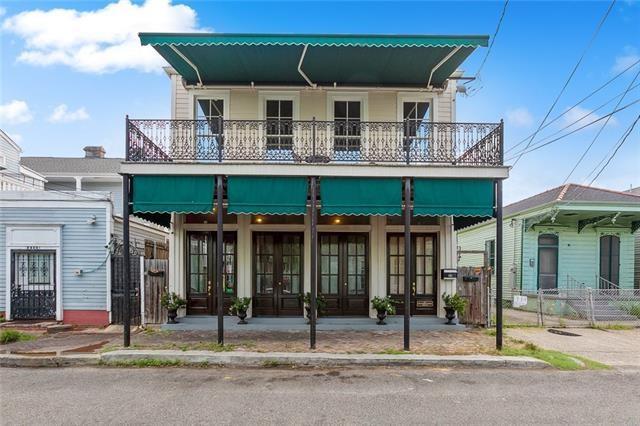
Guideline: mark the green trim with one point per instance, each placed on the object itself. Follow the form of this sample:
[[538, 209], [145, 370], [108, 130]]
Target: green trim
[[267, 195], [314, 40], [361, 196], [456, 197], [173, 194]]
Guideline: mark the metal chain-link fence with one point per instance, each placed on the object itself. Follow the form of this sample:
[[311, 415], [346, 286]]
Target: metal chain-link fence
[[572, 307]]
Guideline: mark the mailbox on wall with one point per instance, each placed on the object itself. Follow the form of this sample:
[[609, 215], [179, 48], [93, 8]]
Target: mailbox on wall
[[448, 274]]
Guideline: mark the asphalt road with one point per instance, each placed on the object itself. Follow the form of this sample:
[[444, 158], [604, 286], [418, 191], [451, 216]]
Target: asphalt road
[[339, 396]]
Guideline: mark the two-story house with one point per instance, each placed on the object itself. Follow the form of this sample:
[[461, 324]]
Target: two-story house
[[300, 162]]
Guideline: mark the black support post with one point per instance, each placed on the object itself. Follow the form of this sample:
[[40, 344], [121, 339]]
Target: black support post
[[407, 263], [219, 251], [314, 264], [126, 269], [498, 262]]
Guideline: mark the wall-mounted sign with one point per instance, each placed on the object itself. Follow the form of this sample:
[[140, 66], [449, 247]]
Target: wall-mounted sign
[[448, 274], [424, 304]]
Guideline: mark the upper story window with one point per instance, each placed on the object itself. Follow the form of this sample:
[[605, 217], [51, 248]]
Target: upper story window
[[209, 113], [347, 117], [279, 125], [416, 113]]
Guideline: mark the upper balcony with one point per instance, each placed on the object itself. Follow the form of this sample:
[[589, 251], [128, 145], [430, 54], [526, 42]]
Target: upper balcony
[[314, 142]]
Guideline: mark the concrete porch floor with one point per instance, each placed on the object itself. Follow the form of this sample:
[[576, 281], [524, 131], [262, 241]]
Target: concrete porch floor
[[394, 323]]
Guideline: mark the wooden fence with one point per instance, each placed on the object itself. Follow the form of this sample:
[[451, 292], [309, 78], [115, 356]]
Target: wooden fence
[[117, 289], [474, 284], [156, 281]]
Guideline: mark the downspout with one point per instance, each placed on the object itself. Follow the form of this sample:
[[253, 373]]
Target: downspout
[[441, 63], [307, 79], [184, 58], [521, 252]]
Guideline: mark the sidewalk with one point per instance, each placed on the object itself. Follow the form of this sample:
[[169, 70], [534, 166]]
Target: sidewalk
[[160, 358], [617, 348]]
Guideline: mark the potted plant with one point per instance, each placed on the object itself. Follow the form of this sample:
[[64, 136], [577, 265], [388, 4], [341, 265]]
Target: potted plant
[[453, 304], [239, 306], [383, 306], [321, 304], [172, 302]]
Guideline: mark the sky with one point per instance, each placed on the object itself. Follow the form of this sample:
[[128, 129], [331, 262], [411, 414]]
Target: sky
[[71, 70]]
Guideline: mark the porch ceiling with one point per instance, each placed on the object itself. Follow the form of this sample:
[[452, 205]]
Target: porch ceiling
[[580, 219], [351, 60]]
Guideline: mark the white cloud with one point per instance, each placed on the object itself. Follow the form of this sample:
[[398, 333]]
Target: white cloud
[[579, 116], [61, 114], [15, 112], [624, 61], [3, 11], [519, 117], [98, 41]]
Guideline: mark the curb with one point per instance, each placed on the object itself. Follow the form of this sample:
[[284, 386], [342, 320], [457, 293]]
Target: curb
[[272, 359]]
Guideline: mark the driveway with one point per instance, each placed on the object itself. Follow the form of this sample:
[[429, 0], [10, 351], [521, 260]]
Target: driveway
[[617, 348]]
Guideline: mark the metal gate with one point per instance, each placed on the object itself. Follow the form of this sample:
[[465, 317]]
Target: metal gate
[[33, 285], [117, 289]]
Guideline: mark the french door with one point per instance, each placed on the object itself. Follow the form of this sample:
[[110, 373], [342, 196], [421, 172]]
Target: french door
[[609, 261], [547, 261], [277, 273], [343, 273], [201, 272], [423, 273]]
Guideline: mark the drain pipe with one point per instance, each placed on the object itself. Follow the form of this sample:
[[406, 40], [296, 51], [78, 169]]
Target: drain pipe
[[184, 58], [441, 63], [307, 79]]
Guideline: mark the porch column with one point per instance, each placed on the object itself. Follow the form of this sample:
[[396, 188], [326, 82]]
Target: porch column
[[498, 262], [219, 250], [126, 270], [407, 262], [314, 263]]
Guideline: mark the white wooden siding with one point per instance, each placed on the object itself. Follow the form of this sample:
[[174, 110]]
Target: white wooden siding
[[82, 247]]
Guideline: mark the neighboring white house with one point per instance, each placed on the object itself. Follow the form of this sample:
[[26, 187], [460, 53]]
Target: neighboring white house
[[56, 242], [13, 175]]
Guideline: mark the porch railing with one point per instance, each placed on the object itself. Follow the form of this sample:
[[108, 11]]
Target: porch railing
[[292, 141]]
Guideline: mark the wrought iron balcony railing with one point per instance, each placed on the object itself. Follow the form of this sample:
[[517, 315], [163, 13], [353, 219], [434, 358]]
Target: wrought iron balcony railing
[[305, 142]]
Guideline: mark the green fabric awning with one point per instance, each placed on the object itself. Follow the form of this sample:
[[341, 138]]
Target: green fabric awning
[[361, 196], [267, 195], [344, 59], [173, 194], [453, 197]]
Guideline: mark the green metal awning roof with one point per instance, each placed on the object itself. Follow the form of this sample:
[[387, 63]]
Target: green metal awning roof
[[267, 195], [380, 60], [361, 196], [173, 194], [453, 197]]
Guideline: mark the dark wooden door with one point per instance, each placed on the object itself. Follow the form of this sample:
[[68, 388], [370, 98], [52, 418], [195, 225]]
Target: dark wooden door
[[201, 272], [343, 272], [277, 273], [423, 274], [609, 261]]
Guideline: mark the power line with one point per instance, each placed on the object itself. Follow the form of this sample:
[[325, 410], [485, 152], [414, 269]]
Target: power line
[[600, 130], [579, 102], [623, 139], [493, 40], [540, 145], [575, 68]]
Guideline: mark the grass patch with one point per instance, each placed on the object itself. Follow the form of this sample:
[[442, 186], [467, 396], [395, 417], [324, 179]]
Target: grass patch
[[392, 351], [632, 308], [271, 363], [557, 359], [11, 336], [144, 363], [612, 327], [490, 331]]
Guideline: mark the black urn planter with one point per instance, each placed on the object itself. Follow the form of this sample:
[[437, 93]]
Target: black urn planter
[[241, 316], [172, 314], [382, 315], [450, 315]]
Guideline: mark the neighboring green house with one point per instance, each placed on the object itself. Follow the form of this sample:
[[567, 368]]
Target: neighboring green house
[[568, 236]]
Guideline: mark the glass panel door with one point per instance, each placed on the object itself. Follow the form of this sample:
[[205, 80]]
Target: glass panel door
[[279, 129], [346, 115], [329, 263], [209, 115], [547, 261], [609, 261], [199, 289]]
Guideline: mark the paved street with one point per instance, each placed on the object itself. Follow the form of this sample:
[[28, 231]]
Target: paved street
[[337, 396]]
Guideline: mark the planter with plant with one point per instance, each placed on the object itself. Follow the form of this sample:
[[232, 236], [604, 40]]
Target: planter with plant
[[321, 304], [453, 304], [172, 302], [239, 307], [383, 306]]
